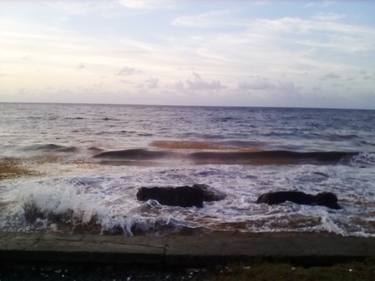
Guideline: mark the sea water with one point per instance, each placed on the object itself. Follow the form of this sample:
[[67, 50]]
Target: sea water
[[241, 152]]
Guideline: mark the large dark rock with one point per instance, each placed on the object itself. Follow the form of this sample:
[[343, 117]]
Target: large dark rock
[[183, 196], [327, 199]]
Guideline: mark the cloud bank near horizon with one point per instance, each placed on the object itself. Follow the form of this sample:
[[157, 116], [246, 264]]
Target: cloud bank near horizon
[[259, 53]]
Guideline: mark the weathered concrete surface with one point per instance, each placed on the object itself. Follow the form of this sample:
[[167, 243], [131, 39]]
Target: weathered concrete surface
[[179, 248], [81, 243]]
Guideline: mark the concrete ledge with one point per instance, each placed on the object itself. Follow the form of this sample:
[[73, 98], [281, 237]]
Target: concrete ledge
[[179, 249]]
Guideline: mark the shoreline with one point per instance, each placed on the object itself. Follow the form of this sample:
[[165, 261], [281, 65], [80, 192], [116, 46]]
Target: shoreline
[[180, 249]]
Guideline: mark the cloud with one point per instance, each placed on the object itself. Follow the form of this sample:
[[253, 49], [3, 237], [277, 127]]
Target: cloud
[[106, 8], [81, 66], [323, 31], [261, 2], [257, 84], [268, 86], [329, 16], [320, 3], [211, 19], [151, 83], [196, 83], [83, 7], [258, 61], [333, 34], [365, 75], [126, 70], [331, 76], [147, 4]]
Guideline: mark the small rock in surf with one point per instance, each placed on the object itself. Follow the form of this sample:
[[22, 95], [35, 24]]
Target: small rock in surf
[[327, 199], [183, 196]]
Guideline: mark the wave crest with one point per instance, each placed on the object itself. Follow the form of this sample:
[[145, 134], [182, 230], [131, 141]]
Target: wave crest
[[206, 145], [51, 147], [275, 157], [363, 159]]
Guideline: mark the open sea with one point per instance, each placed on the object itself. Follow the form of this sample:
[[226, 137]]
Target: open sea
[[88, 161]]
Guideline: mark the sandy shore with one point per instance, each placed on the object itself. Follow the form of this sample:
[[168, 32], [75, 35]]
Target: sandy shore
[[178, 248]]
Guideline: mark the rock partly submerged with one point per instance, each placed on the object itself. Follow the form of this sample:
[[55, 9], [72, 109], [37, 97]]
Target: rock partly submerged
[[326, 199], [183, 196]]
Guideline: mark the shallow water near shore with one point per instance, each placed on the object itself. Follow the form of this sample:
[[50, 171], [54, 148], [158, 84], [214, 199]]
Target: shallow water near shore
[[89, 160]]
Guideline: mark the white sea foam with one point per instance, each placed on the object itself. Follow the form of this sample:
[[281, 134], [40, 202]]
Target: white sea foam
[[107, 194], [60, 199], [363, 159], [74, 182]]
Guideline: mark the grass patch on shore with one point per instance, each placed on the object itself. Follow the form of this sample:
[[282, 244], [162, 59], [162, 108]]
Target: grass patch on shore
[[267, 271], [12, 169]]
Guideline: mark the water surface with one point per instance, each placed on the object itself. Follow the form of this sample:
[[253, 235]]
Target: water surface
[[91, 159]]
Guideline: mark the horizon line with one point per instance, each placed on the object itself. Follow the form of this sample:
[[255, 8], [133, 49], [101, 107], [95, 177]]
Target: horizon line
[[181, 105]]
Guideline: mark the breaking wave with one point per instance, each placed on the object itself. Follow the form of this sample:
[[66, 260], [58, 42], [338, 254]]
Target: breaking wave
[[207, 145], [271, 157], [134, 154], [363, 159], [278, 157], [51, 148], [64, 209]]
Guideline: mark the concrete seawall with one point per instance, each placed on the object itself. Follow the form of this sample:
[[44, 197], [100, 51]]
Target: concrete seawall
[[178, 248]]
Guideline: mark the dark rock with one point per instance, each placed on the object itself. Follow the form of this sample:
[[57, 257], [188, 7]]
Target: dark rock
[[183, 196], [327, 199]]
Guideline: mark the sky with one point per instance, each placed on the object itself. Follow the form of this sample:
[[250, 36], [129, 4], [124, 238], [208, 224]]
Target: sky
[[189, 52]]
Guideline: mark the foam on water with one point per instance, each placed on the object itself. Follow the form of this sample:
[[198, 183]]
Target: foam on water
[[363, 159], [108, 196], [58, 142]]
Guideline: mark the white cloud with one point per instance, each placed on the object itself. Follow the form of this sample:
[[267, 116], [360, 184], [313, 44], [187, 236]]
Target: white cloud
[[126, 70], [84, 7], [151, 83], [330, 16], [81, 66], [258, 61], [331, 76], [196, 83], [268, 87], [320, 3], [212, 19], [261, 2], [147, 4], [257, 84]]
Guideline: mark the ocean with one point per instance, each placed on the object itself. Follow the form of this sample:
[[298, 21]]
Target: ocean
[[87, 163]]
